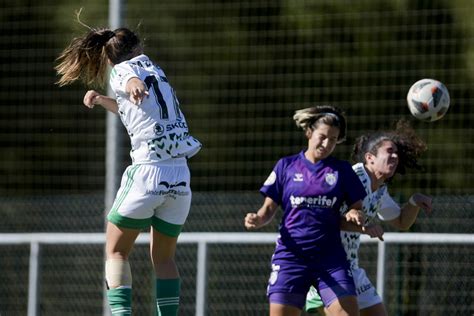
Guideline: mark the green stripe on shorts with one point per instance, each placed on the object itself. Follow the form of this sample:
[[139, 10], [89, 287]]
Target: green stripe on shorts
[[126, 189], [166, 228]]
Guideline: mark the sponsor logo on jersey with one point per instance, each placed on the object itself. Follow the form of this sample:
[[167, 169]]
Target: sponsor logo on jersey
[[271, 179], [159, 129], [298, 177], [178, 124], [313, 201]]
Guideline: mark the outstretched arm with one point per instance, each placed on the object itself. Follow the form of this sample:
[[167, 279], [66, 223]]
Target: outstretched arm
[[263, 216], [409, 211], [93, 98], [353, 221]]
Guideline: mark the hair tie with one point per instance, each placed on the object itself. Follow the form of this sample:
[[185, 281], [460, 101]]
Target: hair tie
[[330, 114]]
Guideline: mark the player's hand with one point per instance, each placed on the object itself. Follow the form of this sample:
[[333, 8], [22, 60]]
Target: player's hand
[[423, 201], [137, 90], [253, 221], [374, 231], [355, 216], [91, 98]]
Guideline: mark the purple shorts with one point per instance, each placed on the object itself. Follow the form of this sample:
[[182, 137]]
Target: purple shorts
[[290, 281]]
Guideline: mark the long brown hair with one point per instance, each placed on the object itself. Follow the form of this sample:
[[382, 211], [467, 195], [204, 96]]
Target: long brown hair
[[86, 57], [410, 146]]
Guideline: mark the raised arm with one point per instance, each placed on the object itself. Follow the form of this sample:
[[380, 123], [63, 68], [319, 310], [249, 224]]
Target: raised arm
[[409, 211], [93, 98], [263, 216]]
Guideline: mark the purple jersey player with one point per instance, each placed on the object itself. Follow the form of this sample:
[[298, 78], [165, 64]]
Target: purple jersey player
[[310, 187]]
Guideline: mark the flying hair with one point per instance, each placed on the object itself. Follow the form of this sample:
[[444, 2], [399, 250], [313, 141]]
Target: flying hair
[[310, 118], [410, 146], [86, 58]]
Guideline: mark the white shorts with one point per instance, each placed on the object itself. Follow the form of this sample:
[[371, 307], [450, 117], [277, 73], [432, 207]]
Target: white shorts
[[153, 194], [366, 293]]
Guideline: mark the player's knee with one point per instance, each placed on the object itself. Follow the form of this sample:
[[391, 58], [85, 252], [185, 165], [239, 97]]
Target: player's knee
[[118, 273]]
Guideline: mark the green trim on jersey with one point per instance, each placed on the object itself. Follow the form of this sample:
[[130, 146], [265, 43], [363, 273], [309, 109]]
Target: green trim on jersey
[[166, 228], [127, 222]]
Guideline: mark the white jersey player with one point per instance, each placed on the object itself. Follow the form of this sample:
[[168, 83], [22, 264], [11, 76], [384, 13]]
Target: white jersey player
[[380, 156], [155, 190], [157, 127]]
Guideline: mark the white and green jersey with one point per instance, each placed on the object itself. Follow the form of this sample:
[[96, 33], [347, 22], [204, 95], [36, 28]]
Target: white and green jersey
[[378, 203], [157, 127]]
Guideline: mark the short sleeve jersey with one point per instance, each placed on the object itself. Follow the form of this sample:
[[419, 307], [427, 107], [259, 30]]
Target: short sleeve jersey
[[310, 196], [157, 127], [378, 203]]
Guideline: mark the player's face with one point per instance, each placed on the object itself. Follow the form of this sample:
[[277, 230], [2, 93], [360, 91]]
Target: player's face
[[385, 163], [321, 142]]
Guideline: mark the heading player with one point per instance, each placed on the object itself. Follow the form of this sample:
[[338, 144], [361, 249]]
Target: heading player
[[311, 186], [379, 156], [155, 190]]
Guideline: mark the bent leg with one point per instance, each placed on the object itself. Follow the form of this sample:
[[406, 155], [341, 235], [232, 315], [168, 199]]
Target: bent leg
[[375, 310], [343, 306], [119, 242], [284, 310]]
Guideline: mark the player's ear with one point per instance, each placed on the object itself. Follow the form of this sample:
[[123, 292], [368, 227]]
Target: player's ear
[[369, 158], [309, 132]]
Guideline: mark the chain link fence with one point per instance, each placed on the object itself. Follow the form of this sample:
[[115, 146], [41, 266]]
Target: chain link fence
[[240, 69]]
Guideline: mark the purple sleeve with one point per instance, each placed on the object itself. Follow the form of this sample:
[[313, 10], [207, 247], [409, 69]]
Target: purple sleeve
[[272, 187], [353, 187]]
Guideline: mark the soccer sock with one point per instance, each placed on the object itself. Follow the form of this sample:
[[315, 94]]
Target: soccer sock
[[167, 297], [120, 301]]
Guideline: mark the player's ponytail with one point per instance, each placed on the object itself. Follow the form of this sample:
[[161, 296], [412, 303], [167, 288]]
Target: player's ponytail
[[84, 59]]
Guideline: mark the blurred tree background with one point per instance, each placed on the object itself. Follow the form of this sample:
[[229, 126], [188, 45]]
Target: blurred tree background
[[240, 69]]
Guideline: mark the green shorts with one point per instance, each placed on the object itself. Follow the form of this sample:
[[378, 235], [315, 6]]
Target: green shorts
[[313, 301]]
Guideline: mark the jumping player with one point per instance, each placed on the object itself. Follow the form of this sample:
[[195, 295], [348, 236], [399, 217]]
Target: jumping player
[[311, 186], [379, 157], [155, 190]]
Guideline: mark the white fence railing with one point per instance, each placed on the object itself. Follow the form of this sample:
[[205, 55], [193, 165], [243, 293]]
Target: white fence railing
[[35, 240]]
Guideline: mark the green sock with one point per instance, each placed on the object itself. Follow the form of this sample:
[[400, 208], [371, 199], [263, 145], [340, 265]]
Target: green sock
[[120, 301], [167, 297]]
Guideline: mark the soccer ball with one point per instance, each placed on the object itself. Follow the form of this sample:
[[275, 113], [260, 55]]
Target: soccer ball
[[428, 100]]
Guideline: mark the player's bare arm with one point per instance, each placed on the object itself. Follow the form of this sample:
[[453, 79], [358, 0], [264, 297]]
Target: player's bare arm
[[137, 90], [410, 210], [92, 98], [263, 216], [355, 214]]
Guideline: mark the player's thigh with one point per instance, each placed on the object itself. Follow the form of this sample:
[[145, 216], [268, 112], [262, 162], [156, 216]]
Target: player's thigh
[[119, 241], [334, 282], [283, 310], [343, 306], [375, 310], [162, 247]]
